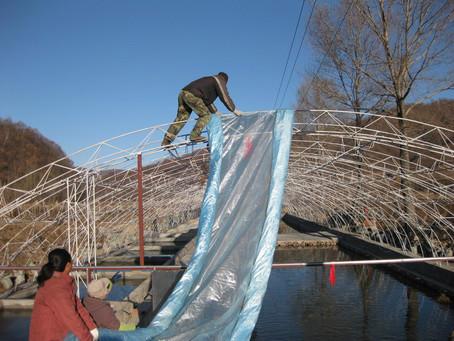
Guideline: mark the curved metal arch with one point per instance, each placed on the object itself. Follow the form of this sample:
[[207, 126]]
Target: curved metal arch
[[329, 155], [335, 171]]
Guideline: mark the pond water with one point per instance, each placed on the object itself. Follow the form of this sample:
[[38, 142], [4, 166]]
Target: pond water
[[365, 303]]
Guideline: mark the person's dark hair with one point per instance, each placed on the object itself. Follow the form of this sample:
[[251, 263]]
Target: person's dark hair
[[224, 75], [57, 260]]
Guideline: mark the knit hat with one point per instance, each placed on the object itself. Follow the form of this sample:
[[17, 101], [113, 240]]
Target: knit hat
[[224, 75], [99, 288]]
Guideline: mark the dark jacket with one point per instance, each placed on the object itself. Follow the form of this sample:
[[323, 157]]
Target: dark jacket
[[57, 311], [210, 88], [101, 312]]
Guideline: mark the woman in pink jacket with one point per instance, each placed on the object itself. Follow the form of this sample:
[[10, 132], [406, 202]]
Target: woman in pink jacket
[[57, 310]]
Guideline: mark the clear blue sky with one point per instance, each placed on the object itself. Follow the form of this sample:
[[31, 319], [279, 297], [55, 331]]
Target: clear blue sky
[[83, 71]]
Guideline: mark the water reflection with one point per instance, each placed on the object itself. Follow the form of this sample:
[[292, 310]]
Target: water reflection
[[14, 325], [366, 303]]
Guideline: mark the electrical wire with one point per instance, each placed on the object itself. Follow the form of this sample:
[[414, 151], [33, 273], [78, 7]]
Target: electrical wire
[[289, 53], [298, 54]]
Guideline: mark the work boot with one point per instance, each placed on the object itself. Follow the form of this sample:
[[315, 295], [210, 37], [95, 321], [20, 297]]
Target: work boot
[[198, 139], [168, 139], [169, 147], [167, 144]]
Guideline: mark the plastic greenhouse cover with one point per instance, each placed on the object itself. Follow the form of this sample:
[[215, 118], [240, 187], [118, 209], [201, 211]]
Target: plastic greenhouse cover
[[220, 294]]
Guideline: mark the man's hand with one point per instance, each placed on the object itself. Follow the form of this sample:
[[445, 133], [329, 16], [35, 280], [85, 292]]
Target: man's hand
[[95, 334], [237, 112]]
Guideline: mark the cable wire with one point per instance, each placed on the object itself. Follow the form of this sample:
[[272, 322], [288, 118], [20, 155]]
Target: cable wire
[[298, 54], [289, 53]]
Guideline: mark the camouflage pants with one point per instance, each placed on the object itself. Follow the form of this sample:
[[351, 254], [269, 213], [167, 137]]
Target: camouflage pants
[[187, 103]]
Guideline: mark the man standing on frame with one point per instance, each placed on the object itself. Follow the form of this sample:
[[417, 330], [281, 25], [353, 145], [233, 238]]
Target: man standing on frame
[[199, 96]]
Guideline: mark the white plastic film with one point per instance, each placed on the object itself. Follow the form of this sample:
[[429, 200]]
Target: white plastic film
[[220, 295]]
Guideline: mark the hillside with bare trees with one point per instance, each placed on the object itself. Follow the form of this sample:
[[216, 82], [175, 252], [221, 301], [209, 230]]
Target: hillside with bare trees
[[24, 149]]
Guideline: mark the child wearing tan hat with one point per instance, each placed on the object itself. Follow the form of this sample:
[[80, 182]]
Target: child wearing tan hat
[[102, 312], [99, 309]]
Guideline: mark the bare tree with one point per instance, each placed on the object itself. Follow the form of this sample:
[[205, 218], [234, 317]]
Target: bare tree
[[414, 59], [416, 48], [375, 54], [311, 95], [345, 46]]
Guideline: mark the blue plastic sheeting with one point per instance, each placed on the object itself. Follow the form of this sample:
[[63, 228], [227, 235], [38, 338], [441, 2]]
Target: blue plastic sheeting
[[220, 294]]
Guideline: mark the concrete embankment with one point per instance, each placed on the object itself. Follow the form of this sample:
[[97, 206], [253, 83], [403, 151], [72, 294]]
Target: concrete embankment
[[434, 276]]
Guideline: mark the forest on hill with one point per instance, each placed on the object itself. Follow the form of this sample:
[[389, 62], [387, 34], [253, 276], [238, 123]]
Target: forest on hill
[[23, 150], [439, 113]]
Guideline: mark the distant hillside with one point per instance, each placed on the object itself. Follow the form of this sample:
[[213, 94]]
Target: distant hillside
[[24, 149], [439, 113]]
